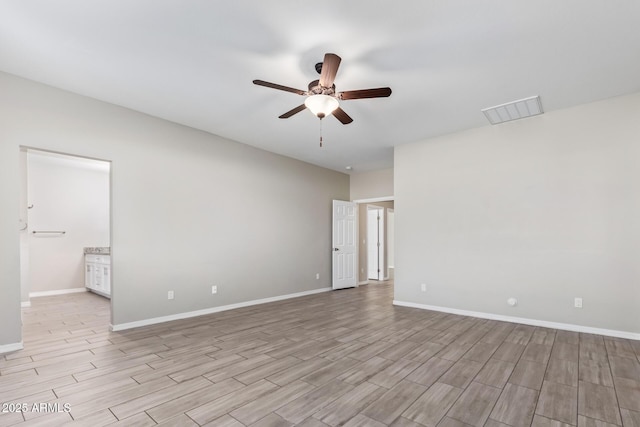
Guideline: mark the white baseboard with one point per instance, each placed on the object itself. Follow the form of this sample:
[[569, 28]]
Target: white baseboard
[[25, 304], [56, 292], [364, 282], [524, 321], [155, 320], [8, 348]]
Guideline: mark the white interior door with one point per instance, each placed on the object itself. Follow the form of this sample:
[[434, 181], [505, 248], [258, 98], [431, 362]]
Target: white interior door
[[372, 244], [375, 243], [345, 216]]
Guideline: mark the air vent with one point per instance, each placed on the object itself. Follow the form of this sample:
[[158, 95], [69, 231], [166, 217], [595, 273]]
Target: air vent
[[515, 110]]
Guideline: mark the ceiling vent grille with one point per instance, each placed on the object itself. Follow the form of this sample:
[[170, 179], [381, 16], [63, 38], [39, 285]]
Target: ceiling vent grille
[[515, 110]]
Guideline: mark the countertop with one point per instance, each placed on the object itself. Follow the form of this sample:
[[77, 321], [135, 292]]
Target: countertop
[[98, 250]]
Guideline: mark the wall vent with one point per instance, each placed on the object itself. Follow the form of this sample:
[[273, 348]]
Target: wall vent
[[515, 110]]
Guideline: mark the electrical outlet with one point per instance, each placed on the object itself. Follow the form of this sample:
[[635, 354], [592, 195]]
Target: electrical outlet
[[170, 295], [423, 287], [214, 289], [577, 302], [317, 276]]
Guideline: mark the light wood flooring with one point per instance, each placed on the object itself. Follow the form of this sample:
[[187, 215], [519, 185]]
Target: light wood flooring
[[338, 358]]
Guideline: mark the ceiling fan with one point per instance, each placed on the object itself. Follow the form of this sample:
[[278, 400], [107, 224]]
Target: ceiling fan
[[322, 98]]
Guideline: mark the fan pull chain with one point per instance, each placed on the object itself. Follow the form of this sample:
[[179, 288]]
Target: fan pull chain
[[320, 133]]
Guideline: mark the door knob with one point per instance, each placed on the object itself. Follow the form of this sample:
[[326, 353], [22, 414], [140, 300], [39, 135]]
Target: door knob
[[336, 249]]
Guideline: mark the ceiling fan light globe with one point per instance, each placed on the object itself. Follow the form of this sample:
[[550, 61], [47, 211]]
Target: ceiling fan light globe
[[321, 105]]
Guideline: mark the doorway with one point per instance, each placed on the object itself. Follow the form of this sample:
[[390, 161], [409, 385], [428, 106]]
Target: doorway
[[65, 212], [387, 204]]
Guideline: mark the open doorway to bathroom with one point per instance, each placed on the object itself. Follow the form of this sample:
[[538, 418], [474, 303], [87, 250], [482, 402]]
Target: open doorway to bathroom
[[65, 225]]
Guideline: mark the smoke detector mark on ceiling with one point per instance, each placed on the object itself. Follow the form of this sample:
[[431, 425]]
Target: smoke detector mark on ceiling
[[515, 110]]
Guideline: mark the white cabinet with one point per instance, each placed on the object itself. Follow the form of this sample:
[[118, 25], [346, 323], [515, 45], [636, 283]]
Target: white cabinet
[[98, 274]]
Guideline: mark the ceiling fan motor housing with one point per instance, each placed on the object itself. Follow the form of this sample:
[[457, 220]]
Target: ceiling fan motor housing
[[315, 88]]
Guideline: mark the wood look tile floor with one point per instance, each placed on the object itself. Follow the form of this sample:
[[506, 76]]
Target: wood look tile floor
[[343, 358]]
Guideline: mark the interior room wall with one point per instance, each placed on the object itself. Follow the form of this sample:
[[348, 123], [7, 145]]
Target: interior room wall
[[544, 209], [66, 194], [23, 222], [189, 209], [10, 319], [371, 185]]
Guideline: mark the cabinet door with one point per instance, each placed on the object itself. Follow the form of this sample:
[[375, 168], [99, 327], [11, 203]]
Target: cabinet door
[[106, 279], [88, 275], [97, 277]]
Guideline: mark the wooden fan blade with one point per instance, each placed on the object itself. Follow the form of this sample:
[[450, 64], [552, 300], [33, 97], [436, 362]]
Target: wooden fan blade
[[380, 92], [329, 69], [339, 114], [279, 87], [292, 112]]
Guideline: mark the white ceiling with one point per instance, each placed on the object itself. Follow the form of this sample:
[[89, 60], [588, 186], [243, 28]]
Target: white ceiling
[[193, 61]]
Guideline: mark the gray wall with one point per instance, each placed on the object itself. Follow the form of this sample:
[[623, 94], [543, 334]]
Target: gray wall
[[544, 209], [370, 185], [189, 209]]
